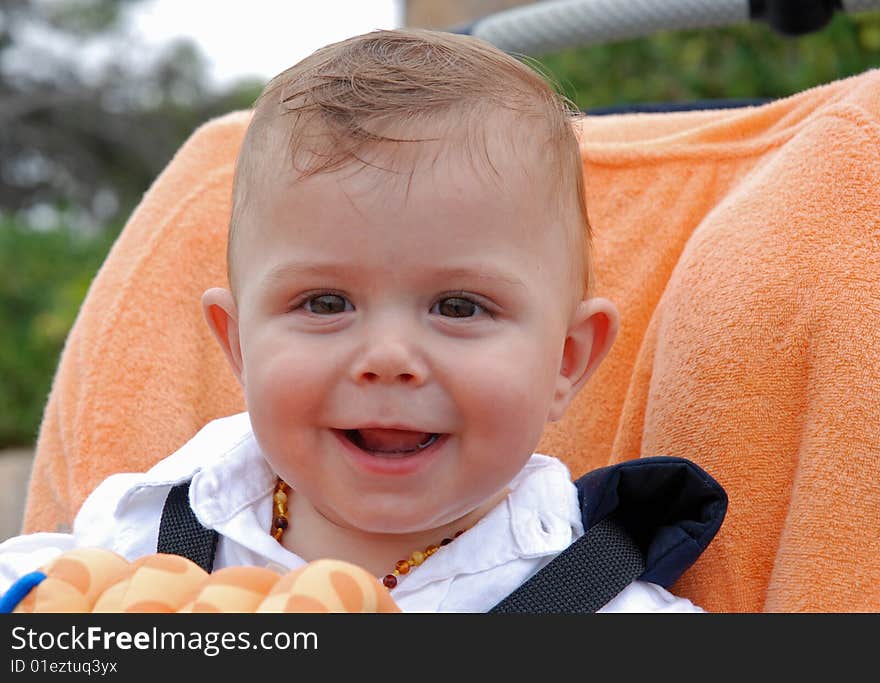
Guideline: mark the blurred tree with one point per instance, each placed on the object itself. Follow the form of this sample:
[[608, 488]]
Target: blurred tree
[[87, 121], [88, 118]]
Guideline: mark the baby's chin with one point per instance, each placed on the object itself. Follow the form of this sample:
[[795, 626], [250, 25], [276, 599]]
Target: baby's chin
[[391, 522], [432, 525], [375, 525]]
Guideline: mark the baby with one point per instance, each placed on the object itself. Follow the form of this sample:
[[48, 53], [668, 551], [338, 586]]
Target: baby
[[409, 304]]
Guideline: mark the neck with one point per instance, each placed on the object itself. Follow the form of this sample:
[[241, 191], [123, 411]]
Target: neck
[[312, 536]]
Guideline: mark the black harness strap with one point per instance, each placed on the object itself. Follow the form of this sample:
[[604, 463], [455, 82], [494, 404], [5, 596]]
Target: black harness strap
[[181, 533], [583, 578]]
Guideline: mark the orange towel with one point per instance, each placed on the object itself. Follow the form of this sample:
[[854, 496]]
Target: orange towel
[[743, 250]]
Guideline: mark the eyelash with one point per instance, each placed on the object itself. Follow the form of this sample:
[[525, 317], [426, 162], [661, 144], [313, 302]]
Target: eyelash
[[464, 296], [307, 298]]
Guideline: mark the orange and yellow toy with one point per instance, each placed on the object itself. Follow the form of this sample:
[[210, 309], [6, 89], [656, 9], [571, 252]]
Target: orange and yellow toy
[[97, 580]]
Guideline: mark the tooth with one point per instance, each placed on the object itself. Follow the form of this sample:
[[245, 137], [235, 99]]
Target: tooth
[[431, 439]]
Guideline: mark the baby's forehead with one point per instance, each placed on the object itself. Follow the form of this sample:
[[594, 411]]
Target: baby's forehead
[[347, 210], [482, 157]]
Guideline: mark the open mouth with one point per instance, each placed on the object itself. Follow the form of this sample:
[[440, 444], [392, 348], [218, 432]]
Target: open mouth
[[390, 443]]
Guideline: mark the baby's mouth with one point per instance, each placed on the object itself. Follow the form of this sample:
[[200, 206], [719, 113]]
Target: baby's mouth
[[390, 442]]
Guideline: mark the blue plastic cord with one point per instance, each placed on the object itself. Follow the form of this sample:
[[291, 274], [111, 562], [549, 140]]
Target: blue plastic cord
[[19, 590]]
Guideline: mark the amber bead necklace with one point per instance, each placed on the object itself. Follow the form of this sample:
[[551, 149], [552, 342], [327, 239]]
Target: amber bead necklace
[[280, 524]]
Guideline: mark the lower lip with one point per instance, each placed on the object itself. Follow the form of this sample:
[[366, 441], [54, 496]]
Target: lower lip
[[392, 465]]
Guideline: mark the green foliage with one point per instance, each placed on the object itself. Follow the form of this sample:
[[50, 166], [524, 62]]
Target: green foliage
[[741, 62], [44, 277], [84, 17]]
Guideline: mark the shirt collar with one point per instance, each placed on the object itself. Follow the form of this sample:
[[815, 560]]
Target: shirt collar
[[539, 518]]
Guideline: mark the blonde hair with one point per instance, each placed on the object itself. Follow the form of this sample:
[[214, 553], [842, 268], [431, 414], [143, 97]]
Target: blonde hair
[[326, 109]]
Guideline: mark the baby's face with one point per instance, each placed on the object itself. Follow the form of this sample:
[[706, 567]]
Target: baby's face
[[401, 338]]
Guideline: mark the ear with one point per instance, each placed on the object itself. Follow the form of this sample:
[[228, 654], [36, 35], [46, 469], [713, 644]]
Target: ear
[[591, 333], [221, 313]]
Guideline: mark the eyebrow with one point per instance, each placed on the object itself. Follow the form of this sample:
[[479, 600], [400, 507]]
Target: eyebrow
[[294, 268], [479, 273], [302, 268]]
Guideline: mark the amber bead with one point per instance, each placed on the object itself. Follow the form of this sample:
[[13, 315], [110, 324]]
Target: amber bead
[[417, 557], [279, 510], [446, 541], [402, 566], [390, 581]]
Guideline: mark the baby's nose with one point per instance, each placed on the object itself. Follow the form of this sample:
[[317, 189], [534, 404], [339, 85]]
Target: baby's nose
[[390, 359]]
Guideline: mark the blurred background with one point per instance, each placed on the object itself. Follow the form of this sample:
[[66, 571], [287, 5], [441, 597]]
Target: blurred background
[[97, 95]]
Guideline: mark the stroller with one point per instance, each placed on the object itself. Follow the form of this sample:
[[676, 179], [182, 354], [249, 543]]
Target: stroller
[[740, 245]]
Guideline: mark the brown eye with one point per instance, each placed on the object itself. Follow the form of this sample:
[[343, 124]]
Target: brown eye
[[456, 307], [327, 304]]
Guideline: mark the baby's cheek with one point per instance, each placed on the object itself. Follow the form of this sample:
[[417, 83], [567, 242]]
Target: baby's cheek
[[288, 382], [507, 396]]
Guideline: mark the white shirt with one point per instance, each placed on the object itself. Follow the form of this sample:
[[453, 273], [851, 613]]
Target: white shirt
[[231, 492]]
